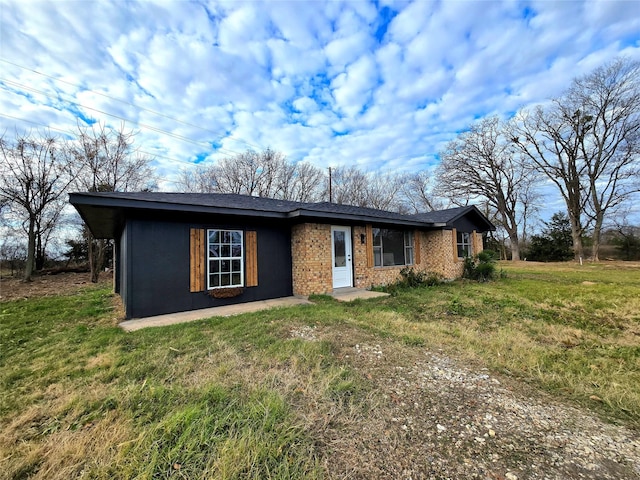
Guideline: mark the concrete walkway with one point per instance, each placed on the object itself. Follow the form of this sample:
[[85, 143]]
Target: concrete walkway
[[223, 311], [349, 294], [341, 294]]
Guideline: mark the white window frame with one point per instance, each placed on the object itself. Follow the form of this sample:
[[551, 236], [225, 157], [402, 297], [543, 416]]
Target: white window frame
[[409, 247], [230, 258], [464, 242]]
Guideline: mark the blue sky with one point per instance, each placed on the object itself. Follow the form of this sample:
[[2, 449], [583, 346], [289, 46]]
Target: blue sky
[[382, 85]]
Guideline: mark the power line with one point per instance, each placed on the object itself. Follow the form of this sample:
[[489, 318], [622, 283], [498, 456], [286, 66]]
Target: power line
[[131, 104], [66, 132], [160, 179], [141, 125]]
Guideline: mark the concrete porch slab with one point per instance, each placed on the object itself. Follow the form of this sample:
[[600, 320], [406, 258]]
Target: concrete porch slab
[[349, 294], [223, 311], [340, 294]]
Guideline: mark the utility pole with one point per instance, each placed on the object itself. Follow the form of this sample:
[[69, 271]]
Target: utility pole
[[330, 192]]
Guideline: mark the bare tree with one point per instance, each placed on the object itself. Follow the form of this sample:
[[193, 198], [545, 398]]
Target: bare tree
[[419, 192], [348, 186], [269, 174], [352, 186], [550, 139], [609, 99], [13, 253], [264, 174], [482, 162], [109, 160], [587, 142], [34, 175], [109, 163], [199, 179], [309, 183], [244, 174]]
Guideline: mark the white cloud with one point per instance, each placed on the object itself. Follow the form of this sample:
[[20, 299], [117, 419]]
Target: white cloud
[[305, 105], [313, 79], [352, 89]]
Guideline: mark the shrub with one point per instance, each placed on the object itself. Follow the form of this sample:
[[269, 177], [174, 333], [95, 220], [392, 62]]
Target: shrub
[[482, 267], [555, 244]]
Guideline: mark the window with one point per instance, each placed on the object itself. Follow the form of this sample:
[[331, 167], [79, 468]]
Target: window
[[392, 247], [225, 258], [464, 244]]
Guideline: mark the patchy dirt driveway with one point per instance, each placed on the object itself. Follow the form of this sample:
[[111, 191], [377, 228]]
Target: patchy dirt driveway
[[440, 419]]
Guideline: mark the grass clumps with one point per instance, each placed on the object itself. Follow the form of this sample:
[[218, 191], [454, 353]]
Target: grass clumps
[[225, 433], [269, 394], [412, 278], [213, 399]]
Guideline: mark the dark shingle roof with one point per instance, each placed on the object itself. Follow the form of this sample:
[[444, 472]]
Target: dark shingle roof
[[228, 200], [441, 216], [450, 215], [335, 208], [104, 211]]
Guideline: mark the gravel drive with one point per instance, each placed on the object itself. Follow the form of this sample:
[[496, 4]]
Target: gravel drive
[[436, 418]]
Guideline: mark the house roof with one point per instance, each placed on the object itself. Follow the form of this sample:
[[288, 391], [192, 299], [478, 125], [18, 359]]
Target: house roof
[[450, 215], [104, 212]]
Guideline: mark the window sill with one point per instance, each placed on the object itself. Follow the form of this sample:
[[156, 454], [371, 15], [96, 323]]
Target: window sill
[[389, 267], [225, 292]]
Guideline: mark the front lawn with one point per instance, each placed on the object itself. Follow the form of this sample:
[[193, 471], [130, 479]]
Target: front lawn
[[250, 396]]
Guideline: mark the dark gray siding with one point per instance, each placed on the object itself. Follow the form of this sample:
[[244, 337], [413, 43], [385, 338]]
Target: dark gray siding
[[464, 224], [157, 264], [123, 267]]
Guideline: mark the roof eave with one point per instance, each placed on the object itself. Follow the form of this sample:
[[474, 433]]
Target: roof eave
[[304, 213], [137, 204]]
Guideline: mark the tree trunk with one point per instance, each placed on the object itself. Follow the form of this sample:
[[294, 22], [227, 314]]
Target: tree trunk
[[597, 229], [511, 226], [31, 251], [576, 235], [96, 258], [515, 248], [39, 253]]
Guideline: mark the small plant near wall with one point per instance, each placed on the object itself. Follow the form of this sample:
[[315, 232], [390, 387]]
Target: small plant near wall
[[411, 278], [482, 267], [418, 278]]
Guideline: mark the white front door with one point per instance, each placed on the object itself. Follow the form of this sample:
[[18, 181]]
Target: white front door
[[341, 257]]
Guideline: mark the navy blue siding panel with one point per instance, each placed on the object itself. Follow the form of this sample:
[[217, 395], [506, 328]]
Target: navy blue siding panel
[[465, 225], [117, 267], [123, 267], [158, 267]]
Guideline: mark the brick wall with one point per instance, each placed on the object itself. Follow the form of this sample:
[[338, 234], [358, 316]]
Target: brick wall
[[311, 258], [311, 255], [439, 253]]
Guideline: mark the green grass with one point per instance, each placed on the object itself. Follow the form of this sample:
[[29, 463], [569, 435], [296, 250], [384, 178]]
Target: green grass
[[79, 396], [240, 397], [572, 330]]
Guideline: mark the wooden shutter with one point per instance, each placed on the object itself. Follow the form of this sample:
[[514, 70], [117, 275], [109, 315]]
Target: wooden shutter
[[454, 233], [197, 260], [472, 244], [369, 246], [251, 258], [416, 247]]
